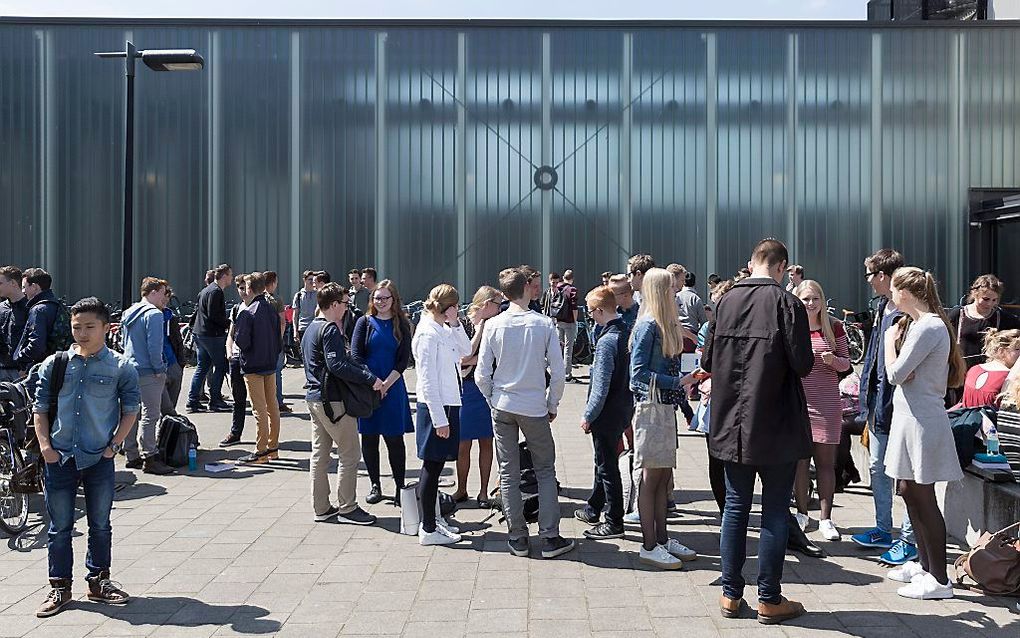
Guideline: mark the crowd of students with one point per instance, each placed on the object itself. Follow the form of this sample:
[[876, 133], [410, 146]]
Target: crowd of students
[[497, 377]]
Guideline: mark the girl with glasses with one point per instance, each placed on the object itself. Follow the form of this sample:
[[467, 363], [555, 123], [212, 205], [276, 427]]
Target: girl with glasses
[[382, 341]]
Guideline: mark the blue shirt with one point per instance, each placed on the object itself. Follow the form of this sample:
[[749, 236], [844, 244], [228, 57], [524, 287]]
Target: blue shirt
[[97, 390]]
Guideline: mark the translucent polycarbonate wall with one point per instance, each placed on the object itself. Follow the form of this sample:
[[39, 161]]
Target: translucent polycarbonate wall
[[446, 152]]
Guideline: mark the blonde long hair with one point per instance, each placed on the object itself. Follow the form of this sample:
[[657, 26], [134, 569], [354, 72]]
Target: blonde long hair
[[659, 303], [824, 318], [921, 284]]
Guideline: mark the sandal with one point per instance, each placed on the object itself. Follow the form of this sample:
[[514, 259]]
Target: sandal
[[483, 501], [460, 498]]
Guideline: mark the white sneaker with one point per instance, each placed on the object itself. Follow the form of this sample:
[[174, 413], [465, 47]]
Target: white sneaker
[[906, 573], [438, 537], [802, 521], [442, 522], [633, 518], [925, 587], [660, 558], [828, 530], [681, 551]]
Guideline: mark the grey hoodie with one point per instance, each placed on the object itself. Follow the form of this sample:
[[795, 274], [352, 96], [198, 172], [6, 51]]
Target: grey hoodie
[[143, 329]]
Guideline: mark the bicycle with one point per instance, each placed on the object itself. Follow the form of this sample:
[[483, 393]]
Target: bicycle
[[18, 477], [854, 324]]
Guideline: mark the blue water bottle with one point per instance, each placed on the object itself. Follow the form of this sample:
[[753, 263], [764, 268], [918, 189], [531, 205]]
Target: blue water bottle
[[192, 459]]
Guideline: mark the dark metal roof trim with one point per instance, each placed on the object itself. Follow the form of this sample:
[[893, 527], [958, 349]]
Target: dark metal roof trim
[[519, 23]]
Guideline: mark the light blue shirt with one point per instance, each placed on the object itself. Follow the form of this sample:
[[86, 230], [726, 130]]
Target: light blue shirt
[[97, 390]]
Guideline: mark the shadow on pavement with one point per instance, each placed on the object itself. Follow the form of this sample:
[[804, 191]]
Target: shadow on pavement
[[179, 611]]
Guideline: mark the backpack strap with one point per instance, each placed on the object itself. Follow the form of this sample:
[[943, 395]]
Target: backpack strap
[[60, 360], [327, 405]]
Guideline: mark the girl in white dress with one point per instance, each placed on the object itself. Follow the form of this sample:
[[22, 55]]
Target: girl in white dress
[[921, 359]]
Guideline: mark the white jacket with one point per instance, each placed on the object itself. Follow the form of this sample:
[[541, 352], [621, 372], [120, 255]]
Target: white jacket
[[438, 349]]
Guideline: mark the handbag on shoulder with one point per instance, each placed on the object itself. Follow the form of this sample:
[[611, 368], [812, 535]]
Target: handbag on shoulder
[[654, 431]]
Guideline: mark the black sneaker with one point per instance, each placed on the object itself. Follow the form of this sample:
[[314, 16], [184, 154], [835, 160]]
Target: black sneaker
[[374, 495], [135, 464], [519, 547], [193, 408], [220, 406], [152, 465], [604, 531], [356, 516], [585, 515], [557, 546], [328, 514], [230, 440], [56, 599]]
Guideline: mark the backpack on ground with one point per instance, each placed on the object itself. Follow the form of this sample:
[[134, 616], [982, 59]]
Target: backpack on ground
[[175, 436], [993, 563], [60, 337]]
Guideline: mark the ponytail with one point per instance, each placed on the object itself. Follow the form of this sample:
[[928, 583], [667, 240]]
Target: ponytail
[[921, 284]]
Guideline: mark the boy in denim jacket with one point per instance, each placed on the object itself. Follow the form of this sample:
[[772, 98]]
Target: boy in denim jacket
[[79, 431]]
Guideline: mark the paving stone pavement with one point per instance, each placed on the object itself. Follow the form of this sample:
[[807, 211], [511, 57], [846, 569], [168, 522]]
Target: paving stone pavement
[[237, 553]]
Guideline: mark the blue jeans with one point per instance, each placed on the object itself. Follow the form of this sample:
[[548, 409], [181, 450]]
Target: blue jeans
[[883, 486], [62, 481], [212, 361], [776, 485]]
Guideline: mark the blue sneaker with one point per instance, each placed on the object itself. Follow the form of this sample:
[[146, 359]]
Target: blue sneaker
[[901, 552], [873, 538]]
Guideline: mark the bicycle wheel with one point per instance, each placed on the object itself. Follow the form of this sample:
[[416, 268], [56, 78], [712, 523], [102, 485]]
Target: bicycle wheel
[[855, 342], [13, 505]]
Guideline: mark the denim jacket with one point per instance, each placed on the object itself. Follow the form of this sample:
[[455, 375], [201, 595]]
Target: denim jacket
[[647, 360], [97, 390]]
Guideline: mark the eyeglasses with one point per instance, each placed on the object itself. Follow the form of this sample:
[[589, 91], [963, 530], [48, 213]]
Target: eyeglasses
[[378, 298], [494, 300], [869, 275]]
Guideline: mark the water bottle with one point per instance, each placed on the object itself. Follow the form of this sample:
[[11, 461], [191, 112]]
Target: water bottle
[[992, 441], [192, 459]]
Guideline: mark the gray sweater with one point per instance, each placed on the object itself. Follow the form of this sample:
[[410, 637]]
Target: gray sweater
[[517, 350]]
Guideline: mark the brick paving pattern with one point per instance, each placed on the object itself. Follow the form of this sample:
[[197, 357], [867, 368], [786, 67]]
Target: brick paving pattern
[[238, 554]]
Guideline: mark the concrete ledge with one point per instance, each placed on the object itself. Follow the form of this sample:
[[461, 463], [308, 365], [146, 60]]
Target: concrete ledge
[[975, 505]]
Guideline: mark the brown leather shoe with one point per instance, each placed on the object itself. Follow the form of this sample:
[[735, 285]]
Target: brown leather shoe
[[730, 608], [769, 614], [56, 599]]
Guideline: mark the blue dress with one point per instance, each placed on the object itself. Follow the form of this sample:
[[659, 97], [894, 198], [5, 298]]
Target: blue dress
[[475, 415], [393, 417]]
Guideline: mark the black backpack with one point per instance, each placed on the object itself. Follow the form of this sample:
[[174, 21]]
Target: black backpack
[[175, 437], [559, 306], [60, 337]]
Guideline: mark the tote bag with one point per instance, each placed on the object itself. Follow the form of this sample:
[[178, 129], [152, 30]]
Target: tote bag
[[654, 432]]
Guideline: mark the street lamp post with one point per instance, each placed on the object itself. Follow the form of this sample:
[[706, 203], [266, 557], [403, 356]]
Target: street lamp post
[[157, 60]]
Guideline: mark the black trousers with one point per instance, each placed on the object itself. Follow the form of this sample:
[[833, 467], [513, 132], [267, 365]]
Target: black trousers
[[239, 394], [608, 488]]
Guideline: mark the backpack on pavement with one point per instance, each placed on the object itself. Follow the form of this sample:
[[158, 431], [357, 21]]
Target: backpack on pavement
[[175, 436], [993, 563]]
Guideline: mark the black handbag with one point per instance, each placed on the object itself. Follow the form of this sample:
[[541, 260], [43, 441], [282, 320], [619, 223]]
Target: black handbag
[[359, 399]]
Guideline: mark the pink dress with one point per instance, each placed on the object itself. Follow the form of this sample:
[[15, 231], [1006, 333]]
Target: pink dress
[[822, 387]]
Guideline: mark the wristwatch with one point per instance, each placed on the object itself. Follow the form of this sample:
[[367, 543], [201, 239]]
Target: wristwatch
[[117, 447]]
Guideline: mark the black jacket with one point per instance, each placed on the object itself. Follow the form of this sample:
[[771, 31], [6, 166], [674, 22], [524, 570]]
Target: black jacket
[[13, 317], [758, 349], [257, 335], [211, 314]]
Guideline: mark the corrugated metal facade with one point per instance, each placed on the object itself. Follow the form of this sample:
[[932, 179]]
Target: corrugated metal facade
[[414, 148]]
